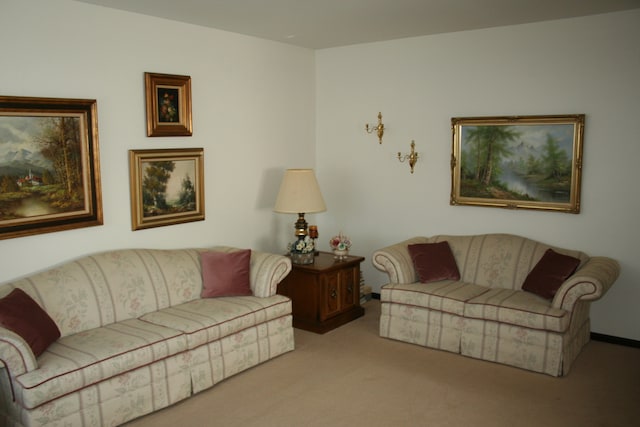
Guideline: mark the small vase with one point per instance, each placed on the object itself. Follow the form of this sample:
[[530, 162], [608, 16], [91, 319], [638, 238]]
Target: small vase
[[298, 258], [340, 254]]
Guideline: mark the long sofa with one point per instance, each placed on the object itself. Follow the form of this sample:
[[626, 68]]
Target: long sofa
[[135, 335], [500, 306]]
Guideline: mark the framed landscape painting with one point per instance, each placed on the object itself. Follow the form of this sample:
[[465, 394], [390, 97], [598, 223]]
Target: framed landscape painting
[[518, 162], [49, 165], [167, 186], [168, 101]]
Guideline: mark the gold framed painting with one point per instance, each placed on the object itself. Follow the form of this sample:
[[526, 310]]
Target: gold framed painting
[[168, 101], [518, 162], [167, 186], [49, 165]]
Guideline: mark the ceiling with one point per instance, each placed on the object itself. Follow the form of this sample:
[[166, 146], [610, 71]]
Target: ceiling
[[319, 24]]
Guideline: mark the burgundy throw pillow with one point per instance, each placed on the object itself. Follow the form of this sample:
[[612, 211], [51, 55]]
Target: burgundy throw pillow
[[549, 273], [434, 262], [226, 274], [22, 315]]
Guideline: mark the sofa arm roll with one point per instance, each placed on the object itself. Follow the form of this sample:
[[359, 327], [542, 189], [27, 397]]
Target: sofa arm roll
[[15, 354], [395, 260], [589, 283], [267, 270]]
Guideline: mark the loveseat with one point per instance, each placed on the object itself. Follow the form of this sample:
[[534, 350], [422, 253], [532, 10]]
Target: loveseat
[[484, 312], [135, 335]]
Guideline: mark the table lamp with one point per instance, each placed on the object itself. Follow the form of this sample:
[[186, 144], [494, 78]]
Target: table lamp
[[299, 193]]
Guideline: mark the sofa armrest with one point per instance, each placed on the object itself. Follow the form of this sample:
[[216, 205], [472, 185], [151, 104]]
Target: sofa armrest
[[15, 354], [267, 270], [589, 283], [396, 261]]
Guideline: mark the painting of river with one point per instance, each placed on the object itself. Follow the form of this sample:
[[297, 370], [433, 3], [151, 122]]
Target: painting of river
[[47, 178], [526, 162]]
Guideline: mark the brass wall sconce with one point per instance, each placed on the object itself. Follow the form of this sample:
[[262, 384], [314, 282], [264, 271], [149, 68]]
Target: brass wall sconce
[[379, 129], [412, 157]]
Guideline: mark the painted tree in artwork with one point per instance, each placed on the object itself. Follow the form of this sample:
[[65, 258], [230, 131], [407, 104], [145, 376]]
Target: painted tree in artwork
[[557, 163], [187, 199], [489, 144], [154, 185], [60, 141]]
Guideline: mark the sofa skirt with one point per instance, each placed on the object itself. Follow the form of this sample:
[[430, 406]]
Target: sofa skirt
[[111, 402]]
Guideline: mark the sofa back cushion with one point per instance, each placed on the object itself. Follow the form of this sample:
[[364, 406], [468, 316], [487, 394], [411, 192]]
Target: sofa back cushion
[[498, 260], [112, 286]]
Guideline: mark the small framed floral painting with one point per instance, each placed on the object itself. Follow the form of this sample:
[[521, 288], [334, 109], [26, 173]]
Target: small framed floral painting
[[168, 100], [518, 162], [49, 165], [167, 187]]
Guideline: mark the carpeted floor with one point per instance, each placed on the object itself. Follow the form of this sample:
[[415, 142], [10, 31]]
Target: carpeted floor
[[352, 377]]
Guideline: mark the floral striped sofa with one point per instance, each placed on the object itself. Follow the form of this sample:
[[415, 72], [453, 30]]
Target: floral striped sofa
[[486, 314], [136, 336]]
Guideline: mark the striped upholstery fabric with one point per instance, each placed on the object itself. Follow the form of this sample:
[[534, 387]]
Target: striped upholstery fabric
[[136, 336], [88, 357], [446, 295], [210, 319], [486, 314], [517, 308]]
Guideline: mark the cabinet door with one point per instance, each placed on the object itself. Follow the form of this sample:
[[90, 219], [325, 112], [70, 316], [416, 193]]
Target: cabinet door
[[349, 284], [331, 301]]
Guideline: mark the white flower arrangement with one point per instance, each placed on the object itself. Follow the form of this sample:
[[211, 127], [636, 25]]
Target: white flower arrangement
[[301, 246]]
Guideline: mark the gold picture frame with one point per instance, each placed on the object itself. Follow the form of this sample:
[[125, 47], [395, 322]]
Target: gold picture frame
[[168, 101], [167, 187], [518, 162], [49, 165]]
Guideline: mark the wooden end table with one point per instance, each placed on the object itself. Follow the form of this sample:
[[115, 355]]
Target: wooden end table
[[325, 294]]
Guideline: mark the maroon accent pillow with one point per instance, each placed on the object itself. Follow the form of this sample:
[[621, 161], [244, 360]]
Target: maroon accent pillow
[[226, 274], [549, 273], [434, 262], [22, 315]]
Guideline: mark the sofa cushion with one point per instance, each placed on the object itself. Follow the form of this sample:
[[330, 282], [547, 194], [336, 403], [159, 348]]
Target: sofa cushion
[[434, 262], [208, 319], [446, 295], [77, 361], [22, 315], [226, 274], [517, 308], [549, 273]]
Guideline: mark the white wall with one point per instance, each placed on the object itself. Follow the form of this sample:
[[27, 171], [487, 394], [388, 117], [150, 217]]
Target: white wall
[[588, 65], [253, 112]]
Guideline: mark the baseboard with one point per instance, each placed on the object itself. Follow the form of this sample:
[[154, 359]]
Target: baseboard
[[594, 336], [615, 340]]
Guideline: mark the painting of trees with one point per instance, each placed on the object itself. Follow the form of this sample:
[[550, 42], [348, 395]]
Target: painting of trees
[[525, 161], [49, 165], [158, 179], [167, 186]]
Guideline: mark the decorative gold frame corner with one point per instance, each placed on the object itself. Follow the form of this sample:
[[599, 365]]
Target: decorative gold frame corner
[[160, 91], [540, 185]]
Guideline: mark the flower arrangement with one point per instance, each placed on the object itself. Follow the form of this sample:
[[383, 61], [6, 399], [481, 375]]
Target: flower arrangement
[[301, 246], [302, 250], [340, 242]]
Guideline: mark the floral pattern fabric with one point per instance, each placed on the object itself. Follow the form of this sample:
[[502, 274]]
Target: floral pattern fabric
[[136, 336], [486, 314]]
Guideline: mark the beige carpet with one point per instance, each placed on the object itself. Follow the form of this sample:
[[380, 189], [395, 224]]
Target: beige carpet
[[352, 377]]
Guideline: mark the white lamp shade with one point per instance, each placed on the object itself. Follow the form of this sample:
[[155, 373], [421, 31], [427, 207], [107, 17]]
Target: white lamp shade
[[299, 193]]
